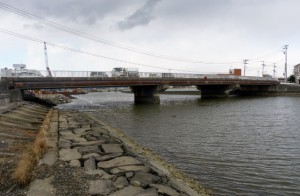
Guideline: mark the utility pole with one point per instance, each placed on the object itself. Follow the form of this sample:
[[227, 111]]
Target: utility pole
[[245, 63], [285, 47], [263, 68], [46, 60], [274, 70]]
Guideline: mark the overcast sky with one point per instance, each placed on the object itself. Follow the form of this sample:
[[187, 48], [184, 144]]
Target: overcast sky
[[218, 33]]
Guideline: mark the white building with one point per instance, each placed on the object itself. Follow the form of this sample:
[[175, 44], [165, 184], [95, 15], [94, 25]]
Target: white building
[[297, 73], [20, 71]]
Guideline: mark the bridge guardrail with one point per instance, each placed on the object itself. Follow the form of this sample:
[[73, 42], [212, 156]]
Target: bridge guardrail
[[154, 75]]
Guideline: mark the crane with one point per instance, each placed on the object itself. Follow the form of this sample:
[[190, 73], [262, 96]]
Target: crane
[[46, 61]]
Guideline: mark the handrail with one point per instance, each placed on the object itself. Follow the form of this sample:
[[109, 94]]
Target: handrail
[[105, 74]]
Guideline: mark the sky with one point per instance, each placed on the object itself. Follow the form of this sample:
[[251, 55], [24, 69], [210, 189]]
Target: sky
[[190, 36]]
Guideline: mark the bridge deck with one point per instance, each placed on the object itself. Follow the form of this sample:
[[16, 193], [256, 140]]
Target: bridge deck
[[87, 82]]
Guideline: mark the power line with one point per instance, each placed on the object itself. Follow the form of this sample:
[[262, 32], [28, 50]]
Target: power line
[[104, 41], [81, 51], [97, 39]]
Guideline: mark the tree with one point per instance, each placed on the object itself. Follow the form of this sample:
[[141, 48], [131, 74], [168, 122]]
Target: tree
[[291, 79]]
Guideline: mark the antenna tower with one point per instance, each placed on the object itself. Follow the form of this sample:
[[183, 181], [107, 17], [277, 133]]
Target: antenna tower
[[46, 60]]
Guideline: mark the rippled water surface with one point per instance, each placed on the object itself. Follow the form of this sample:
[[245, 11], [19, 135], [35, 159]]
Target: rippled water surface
[[235, 146]]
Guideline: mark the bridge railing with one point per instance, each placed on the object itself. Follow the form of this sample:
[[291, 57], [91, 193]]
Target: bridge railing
[[106, 74]]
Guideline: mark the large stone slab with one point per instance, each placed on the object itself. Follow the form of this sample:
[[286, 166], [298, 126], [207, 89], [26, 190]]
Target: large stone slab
[[112, 148], [162, 189], [87, 156], [144, 179], [148, 192], [69, 154], [128, 168], [89, 149], [100, 187], [63, 143], [100, 130], [108, 156], [90, 164], [88, 143], [130, 190], [42, 187], [49, 158], [120, 183], [101, 173], [118, 162]]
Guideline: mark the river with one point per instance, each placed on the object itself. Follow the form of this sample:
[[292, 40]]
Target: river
[[232, 146]]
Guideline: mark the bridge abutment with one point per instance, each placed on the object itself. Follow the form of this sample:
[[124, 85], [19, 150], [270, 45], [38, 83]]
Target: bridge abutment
[[147, 94]]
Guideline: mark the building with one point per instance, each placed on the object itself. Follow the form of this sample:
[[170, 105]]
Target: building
[[297, 73], [20, 71]]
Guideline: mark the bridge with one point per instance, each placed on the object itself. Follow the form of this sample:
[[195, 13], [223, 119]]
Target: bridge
[[147, 86]]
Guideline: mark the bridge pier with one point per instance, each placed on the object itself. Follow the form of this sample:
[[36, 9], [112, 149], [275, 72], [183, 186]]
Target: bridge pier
[[217, 91], [147, 94]]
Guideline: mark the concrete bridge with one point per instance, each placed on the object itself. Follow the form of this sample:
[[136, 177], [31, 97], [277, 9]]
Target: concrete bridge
[[146, 89]]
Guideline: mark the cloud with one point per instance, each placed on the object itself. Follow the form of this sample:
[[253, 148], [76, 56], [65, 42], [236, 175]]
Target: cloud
[[140, 17], [36, 26]]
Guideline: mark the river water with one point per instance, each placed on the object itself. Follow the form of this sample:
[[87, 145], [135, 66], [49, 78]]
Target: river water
[[232, 146]]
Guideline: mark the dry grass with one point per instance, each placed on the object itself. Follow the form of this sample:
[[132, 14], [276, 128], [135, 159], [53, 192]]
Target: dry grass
[[22, 174]]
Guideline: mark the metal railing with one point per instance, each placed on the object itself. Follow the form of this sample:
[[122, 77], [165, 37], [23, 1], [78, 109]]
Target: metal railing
[[108, 74]]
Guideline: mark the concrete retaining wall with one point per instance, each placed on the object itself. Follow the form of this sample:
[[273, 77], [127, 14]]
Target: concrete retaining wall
[[4, 93]]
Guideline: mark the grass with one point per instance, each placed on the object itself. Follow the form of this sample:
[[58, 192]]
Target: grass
[[23, 173]]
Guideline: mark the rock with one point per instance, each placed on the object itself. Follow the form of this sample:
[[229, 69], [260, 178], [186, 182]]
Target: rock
[[101, 173], [75, 163], [90, 164], [98, 187], [162, 189], [148, 192], [124, 169], [99, 130], [69, 154], [49, 158], [62, 143], [118, 162], [87, 156], [129, 174], [120, 183], [42, 187], [90, 138], [88, 143], [130, 190], [78, 139], [89, 149], [80, 131], [144, 179], [108, 156], [86, 126], [112, 148]]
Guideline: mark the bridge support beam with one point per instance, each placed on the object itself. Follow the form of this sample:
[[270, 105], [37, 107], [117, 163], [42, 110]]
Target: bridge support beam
[[147, 94], [217, 91]]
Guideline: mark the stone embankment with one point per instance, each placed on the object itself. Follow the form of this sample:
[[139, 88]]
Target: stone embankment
[[84, 157], [91, 160]]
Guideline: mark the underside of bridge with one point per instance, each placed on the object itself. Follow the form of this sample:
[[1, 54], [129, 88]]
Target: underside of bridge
[[215, 91], [147, 93]]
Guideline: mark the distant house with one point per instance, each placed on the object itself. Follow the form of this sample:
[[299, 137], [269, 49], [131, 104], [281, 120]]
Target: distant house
[[20, 71], [297, 73]]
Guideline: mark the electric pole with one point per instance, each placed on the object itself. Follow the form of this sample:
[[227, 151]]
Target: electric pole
[[263, 68], [46, 60], [285, 47], [274, 70], [245, 63]]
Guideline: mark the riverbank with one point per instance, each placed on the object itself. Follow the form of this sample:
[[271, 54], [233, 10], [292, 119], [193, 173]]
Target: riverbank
[[88, 157]]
